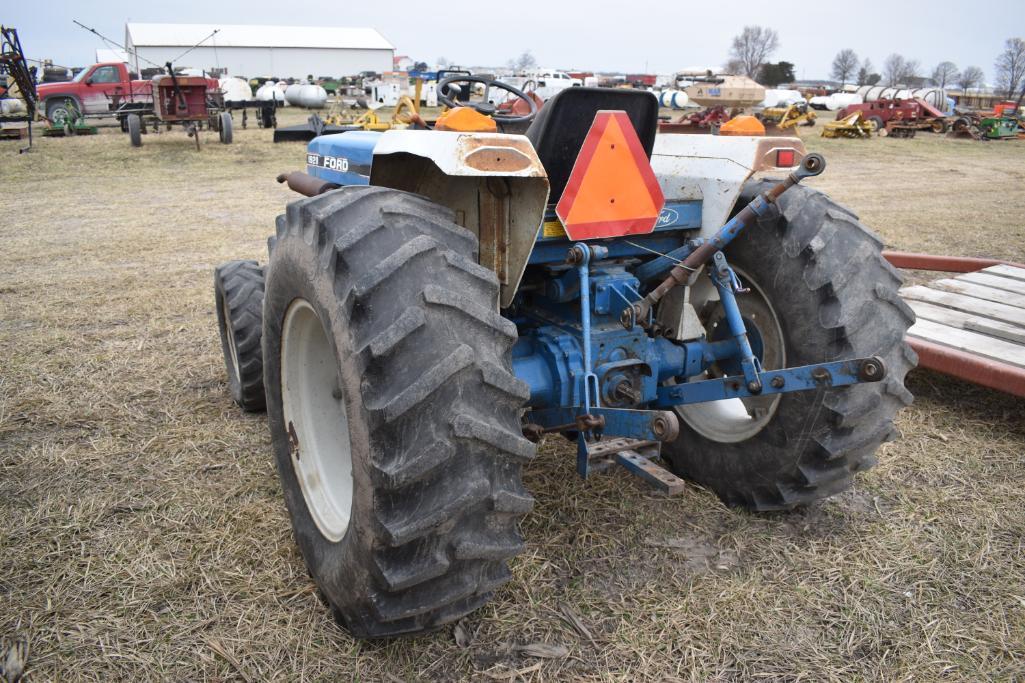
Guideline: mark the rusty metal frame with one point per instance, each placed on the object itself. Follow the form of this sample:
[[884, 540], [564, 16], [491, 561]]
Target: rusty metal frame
[[948, 360], [946, 264]]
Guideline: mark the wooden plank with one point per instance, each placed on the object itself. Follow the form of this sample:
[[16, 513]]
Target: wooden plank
[[980, 292], [1006, 271], [967, 321], [1008, 284], [968, 304], [971, 342]]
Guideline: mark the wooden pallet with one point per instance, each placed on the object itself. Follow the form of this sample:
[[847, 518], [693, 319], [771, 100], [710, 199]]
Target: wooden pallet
[[972, 326]]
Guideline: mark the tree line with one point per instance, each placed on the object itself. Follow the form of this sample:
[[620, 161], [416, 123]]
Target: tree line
[[752, 48]]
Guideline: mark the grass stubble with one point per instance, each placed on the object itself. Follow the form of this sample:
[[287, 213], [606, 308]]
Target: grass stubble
[[143, 535]]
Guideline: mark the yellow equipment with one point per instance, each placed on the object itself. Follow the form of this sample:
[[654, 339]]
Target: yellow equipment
[[853, 126], [785, 118], [405, 113]]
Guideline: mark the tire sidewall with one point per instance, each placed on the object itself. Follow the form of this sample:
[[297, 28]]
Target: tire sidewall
[[294, 273], [804, 342], [225, 328]]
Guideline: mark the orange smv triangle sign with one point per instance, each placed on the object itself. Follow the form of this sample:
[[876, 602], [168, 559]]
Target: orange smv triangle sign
[[612, 190]]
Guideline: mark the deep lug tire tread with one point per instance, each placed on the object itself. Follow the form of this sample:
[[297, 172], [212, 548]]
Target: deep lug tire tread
[[839, 300], [241, 283], [439, 401]]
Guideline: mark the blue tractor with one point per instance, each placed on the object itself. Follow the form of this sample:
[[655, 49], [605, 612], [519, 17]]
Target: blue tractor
[[444, 299]]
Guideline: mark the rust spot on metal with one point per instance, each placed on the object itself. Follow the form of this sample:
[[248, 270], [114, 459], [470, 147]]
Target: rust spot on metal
[[498, 159]]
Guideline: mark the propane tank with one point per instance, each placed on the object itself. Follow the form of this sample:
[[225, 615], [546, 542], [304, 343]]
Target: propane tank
[[306, 95], [873, 93], [269, 91], [235, 89], [673, 99], [12, 106]]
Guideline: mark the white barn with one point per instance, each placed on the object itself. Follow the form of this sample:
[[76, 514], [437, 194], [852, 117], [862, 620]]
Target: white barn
[[250, 51]]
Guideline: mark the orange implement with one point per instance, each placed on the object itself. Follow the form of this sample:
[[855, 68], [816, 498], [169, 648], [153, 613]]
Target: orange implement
[[465, 120], [742, 125]]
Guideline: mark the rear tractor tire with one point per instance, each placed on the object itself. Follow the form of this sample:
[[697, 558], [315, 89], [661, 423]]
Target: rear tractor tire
[[393, 409], [820, 291], [238, 292]]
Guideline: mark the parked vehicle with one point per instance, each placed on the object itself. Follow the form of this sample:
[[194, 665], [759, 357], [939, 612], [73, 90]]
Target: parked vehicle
[[95, 90], [442, 299]]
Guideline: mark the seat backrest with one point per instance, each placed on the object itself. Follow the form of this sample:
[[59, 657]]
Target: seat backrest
[[559, 129]]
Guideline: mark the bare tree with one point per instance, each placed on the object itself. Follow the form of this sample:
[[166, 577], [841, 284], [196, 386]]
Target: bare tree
[[525, 61], [945, 73], [1010, 67], [752, 48], [865, 75], [893, 69], [844, 65], [899, 71], [971, 77]]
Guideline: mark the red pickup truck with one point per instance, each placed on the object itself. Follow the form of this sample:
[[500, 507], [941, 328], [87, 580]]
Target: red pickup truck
[[94, 90]]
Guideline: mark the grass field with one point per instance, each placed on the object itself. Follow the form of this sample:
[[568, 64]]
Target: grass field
[[143, 534]]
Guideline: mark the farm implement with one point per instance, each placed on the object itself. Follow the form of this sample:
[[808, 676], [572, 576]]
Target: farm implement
[[441, 300]]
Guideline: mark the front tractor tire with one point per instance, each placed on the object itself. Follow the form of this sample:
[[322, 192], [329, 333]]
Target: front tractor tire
[[820, 291], [393, 409], [238, 293]]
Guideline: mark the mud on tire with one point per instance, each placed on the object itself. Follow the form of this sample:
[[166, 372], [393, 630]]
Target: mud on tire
[[835, 297], [423, 368]]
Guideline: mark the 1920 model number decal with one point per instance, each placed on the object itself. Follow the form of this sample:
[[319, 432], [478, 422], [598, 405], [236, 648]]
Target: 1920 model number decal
[[332, 163]]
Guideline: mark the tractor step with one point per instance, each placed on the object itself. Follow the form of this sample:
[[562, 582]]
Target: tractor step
[[634, 455]]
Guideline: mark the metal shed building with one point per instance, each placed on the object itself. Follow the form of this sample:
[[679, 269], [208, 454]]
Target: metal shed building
[[249, 50]]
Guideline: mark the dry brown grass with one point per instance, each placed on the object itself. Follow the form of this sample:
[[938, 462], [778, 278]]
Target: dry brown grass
[[143, 535]]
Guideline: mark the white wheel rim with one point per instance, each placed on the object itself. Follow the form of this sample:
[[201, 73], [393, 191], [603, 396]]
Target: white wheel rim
[[315, 420], [733, 420]]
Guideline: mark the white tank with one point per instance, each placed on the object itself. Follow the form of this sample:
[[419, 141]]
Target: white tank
[[235, 89], [836, 101], [270, 91], [306, 95], [780, 98], [12, 106], [673, 99], [934, 96]]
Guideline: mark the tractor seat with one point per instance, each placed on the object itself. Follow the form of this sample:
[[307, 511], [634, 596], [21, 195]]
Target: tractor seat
[[559, 129]]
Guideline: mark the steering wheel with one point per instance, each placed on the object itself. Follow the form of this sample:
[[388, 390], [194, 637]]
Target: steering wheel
[[485, 107]]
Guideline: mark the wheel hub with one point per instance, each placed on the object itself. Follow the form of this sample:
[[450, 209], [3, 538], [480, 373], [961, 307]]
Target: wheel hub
[[733, 420]]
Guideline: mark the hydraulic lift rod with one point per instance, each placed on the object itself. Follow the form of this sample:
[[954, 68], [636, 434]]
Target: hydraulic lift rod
[[811, 165]]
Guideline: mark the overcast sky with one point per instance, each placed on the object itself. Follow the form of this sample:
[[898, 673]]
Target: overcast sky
[[628, 36]]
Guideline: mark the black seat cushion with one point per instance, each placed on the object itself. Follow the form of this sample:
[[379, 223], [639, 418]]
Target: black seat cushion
[[559, 129]]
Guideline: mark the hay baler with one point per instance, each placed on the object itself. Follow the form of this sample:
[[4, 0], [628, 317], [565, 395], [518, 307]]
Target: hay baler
[[444, 299]]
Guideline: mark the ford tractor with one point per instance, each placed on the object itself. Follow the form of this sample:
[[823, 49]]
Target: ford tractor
[[444, 298]]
